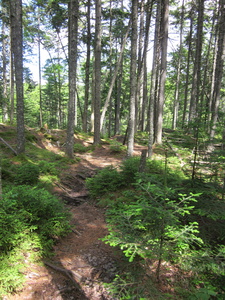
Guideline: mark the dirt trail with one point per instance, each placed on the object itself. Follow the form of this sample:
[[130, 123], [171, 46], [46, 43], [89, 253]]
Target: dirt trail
[[82, 263]]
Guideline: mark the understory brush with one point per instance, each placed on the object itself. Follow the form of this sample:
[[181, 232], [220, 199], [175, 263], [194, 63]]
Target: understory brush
[[30, 220], [157, 215]]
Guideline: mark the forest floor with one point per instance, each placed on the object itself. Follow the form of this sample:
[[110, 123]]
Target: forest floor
[[81, 263]]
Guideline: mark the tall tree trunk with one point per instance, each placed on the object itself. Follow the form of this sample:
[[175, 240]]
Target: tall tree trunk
[[133, 79], [5, 107], [140, 69], [154, 81], [39, 71], [162, 81], [87, 68], [143, 65], [219, 67], [11, 82], [185, 111], [113, 80], [73, 9], [196, 81], [17, 50], [97, 68], [176, 96]]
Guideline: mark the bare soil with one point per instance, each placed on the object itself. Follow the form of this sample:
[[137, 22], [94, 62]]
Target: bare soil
[[81, 263]]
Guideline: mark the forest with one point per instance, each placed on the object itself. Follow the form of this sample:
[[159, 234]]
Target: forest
[[80, 77]]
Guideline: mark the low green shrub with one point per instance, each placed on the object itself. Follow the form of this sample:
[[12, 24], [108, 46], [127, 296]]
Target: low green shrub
[[27, 174], [106, 180], [130, 168], [46, 167], [30, 218], [79, 148], [151, 226], [117, 147]]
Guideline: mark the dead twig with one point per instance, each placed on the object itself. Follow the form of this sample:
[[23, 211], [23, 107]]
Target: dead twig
[[7, 145]]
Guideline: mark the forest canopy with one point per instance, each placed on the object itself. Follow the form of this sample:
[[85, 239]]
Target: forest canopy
[[113, 67]]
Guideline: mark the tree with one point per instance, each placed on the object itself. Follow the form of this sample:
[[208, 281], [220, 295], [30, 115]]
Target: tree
[[17, 52], [87, 67], [73, 8], [113, 80], [164, 23], [5, 106], [97, 70], [154, 81], [176, 96], [196, 79], [219, 66], [133, 79]]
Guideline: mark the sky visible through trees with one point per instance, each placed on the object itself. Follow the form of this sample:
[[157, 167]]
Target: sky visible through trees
[[178, 75]]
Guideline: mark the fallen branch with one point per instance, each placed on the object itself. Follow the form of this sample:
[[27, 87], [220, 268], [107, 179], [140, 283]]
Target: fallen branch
[[70, 274], [7, 145]]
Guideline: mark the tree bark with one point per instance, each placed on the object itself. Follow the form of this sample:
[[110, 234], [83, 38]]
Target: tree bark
[[185, 112], [163, 64], [73, 9], [97, 68], [87, 68], [5, 108], [176, 96], [154, 82], [196, 81], [219, 67], [17, 51], [133, 80]]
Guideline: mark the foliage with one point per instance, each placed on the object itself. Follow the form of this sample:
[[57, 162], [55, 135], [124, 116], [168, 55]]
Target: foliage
[[150, 225], [30, 218], [117, 147], [82, 149], [106, 180], [130, 168], [27, 174], [132, 284], [46, 167]]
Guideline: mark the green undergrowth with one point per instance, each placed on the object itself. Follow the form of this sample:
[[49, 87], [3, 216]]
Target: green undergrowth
[[31, 217], [164, 215]]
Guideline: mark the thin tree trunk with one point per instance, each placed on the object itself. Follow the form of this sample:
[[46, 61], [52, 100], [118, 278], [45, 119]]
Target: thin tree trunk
[[87, 68], [5, 107], [164, 41], [154, 79], [196, 81], [144, 63], [97, 68], [113, 80], [133, 80], [11, 83], [185, 112], [73, 8], [140, 73], [176, 98], [39, 71]]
